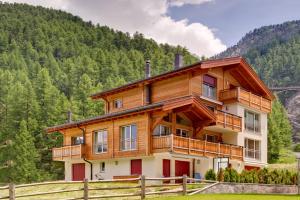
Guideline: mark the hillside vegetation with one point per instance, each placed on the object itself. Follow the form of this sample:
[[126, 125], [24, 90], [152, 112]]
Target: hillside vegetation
[[50, 62]]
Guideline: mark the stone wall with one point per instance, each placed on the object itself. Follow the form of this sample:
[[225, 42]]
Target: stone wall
[[250, 188]]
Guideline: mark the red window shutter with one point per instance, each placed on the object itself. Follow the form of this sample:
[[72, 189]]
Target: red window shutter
[[209, 80]]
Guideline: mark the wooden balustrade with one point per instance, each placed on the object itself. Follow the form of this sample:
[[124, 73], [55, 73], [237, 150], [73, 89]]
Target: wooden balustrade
[[67, 152], [192, 146], [229, 121], [245, 97]]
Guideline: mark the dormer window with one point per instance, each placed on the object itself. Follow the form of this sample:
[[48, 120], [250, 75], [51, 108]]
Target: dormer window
[[209, 87], [118, 103]]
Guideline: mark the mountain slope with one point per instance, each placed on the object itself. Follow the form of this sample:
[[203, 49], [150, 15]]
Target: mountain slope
[[274, 53], [50, 62]]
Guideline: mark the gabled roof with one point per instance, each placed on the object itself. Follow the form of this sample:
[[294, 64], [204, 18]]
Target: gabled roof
[[237, 65], [198, 109]]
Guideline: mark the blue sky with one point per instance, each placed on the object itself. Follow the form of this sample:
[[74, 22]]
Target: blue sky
[[204, 27], [232, 19]]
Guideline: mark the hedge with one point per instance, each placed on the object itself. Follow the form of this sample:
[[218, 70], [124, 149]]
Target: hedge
[[263, 176]]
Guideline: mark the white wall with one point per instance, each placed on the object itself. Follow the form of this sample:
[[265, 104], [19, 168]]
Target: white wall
[[239, 110]]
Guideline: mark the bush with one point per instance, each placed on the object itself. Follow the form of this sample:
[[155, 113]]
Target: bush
[[210, 175], [262, 176], [297, 148], [220, 175]]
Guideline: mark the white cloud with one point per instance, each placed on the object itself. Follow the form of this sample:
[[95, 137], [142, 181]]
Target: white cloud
[[144, 16], [179, 3]]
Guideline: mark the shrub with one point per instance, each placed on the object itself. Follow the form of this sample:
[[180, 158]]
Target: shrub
[[297, 147], [210, 175], [220, 175], [226, 175]]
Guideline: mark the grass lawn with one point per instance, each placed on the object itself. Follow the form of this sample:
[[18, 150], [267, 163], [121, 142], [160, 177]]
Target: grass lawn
[[230, 197]]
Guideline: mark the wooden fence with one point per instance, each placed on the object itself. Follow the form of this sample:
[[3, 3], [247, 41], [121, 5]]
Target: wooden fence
[[180, 182]]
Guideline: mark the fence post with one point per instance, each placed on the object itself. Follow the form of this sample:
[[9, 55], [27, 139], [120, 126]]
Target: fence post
[[143, 187], [86, 189], [184, 181], [12, 191]]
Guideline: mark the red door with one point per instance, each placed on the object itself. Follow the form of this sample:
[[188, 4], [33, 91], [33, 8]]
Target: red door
[[78, 172], [182, 168], [136, 167], [166, 169]]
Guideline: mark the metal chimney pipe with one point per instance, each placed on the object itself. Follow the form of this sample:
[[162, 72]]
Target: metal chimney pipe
[[178, 63], [69, 116], [147, 69]]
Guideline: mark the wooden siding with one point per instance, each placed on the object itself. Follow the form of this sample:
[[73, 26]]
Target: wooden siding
[[170, 88], [247, 98], [130, 99], [197, 147], [113, 149]]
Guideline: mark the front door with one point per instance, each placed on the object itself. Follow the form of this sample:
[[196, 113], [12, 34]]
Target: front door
[[182, 168], [136, 167], [78, 172], [166, 169]]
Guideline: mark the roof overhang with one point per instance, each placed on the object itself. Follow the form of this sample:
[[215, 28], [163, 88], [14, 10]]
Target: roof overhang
[[237, 66]]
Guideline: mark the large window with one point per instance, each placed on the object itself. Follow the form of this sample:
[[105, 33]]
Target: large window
[[252, 121], [128, 137], [209, 87], [100, 141], [182, 132], [252, 149], [161, 130]]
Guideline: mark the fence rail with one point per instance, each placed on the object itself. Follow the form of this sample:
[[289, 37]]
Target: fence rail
[[142, 192]]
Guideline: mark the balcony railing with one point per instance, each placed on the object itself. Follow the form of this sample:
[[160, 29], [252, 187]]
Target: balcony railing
[[197, 147], [67, 152], [247, 98], [229, 121]]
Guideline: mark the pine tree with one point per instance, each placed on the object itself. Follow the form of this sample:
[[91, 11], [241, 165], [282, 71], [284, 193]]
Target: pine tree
[[25, 157]]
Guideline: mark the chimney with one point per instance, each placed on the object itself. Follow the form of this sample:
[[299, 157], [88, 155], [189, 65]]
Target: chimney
[[178, 61], [147, 69], [69, 115]]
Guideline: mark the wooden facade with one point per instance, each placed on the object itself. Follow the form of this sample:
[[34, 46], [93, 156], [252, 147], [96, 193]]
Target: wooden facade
[[174, 95]]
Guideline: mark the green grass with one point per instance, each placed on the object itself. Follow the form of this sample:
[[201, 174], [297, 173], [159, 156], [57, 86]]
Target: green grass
[[230, 197]]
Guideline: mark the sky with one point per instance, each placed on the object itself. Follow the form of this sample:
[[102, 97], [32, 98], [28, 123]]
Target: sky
[[204, 27]]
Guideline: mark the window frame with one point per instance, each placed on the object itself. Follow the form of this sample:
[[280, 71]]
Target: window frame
[[160, 130], [130, 139], [102, 167], [256, 122], [118, 102], [211, 89], [95, 138], [181, 130], [253, 151]]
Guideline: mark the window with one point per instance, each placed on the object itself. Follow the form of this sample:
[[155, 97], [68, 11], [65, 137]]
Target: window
[[220, 163], [209, 87], [252, 121], [128, 137], [118, 103], [100, 141], [252, 149], [77, 140], [183, 121], [102, 167], [211, 138], [161, 130], [182, 132]]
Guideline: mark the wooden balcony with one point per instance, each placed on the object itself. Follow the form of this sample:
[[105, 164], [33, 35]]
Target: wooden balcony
[[67, 152], [227, 121], [247, 98], [195, 147]]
